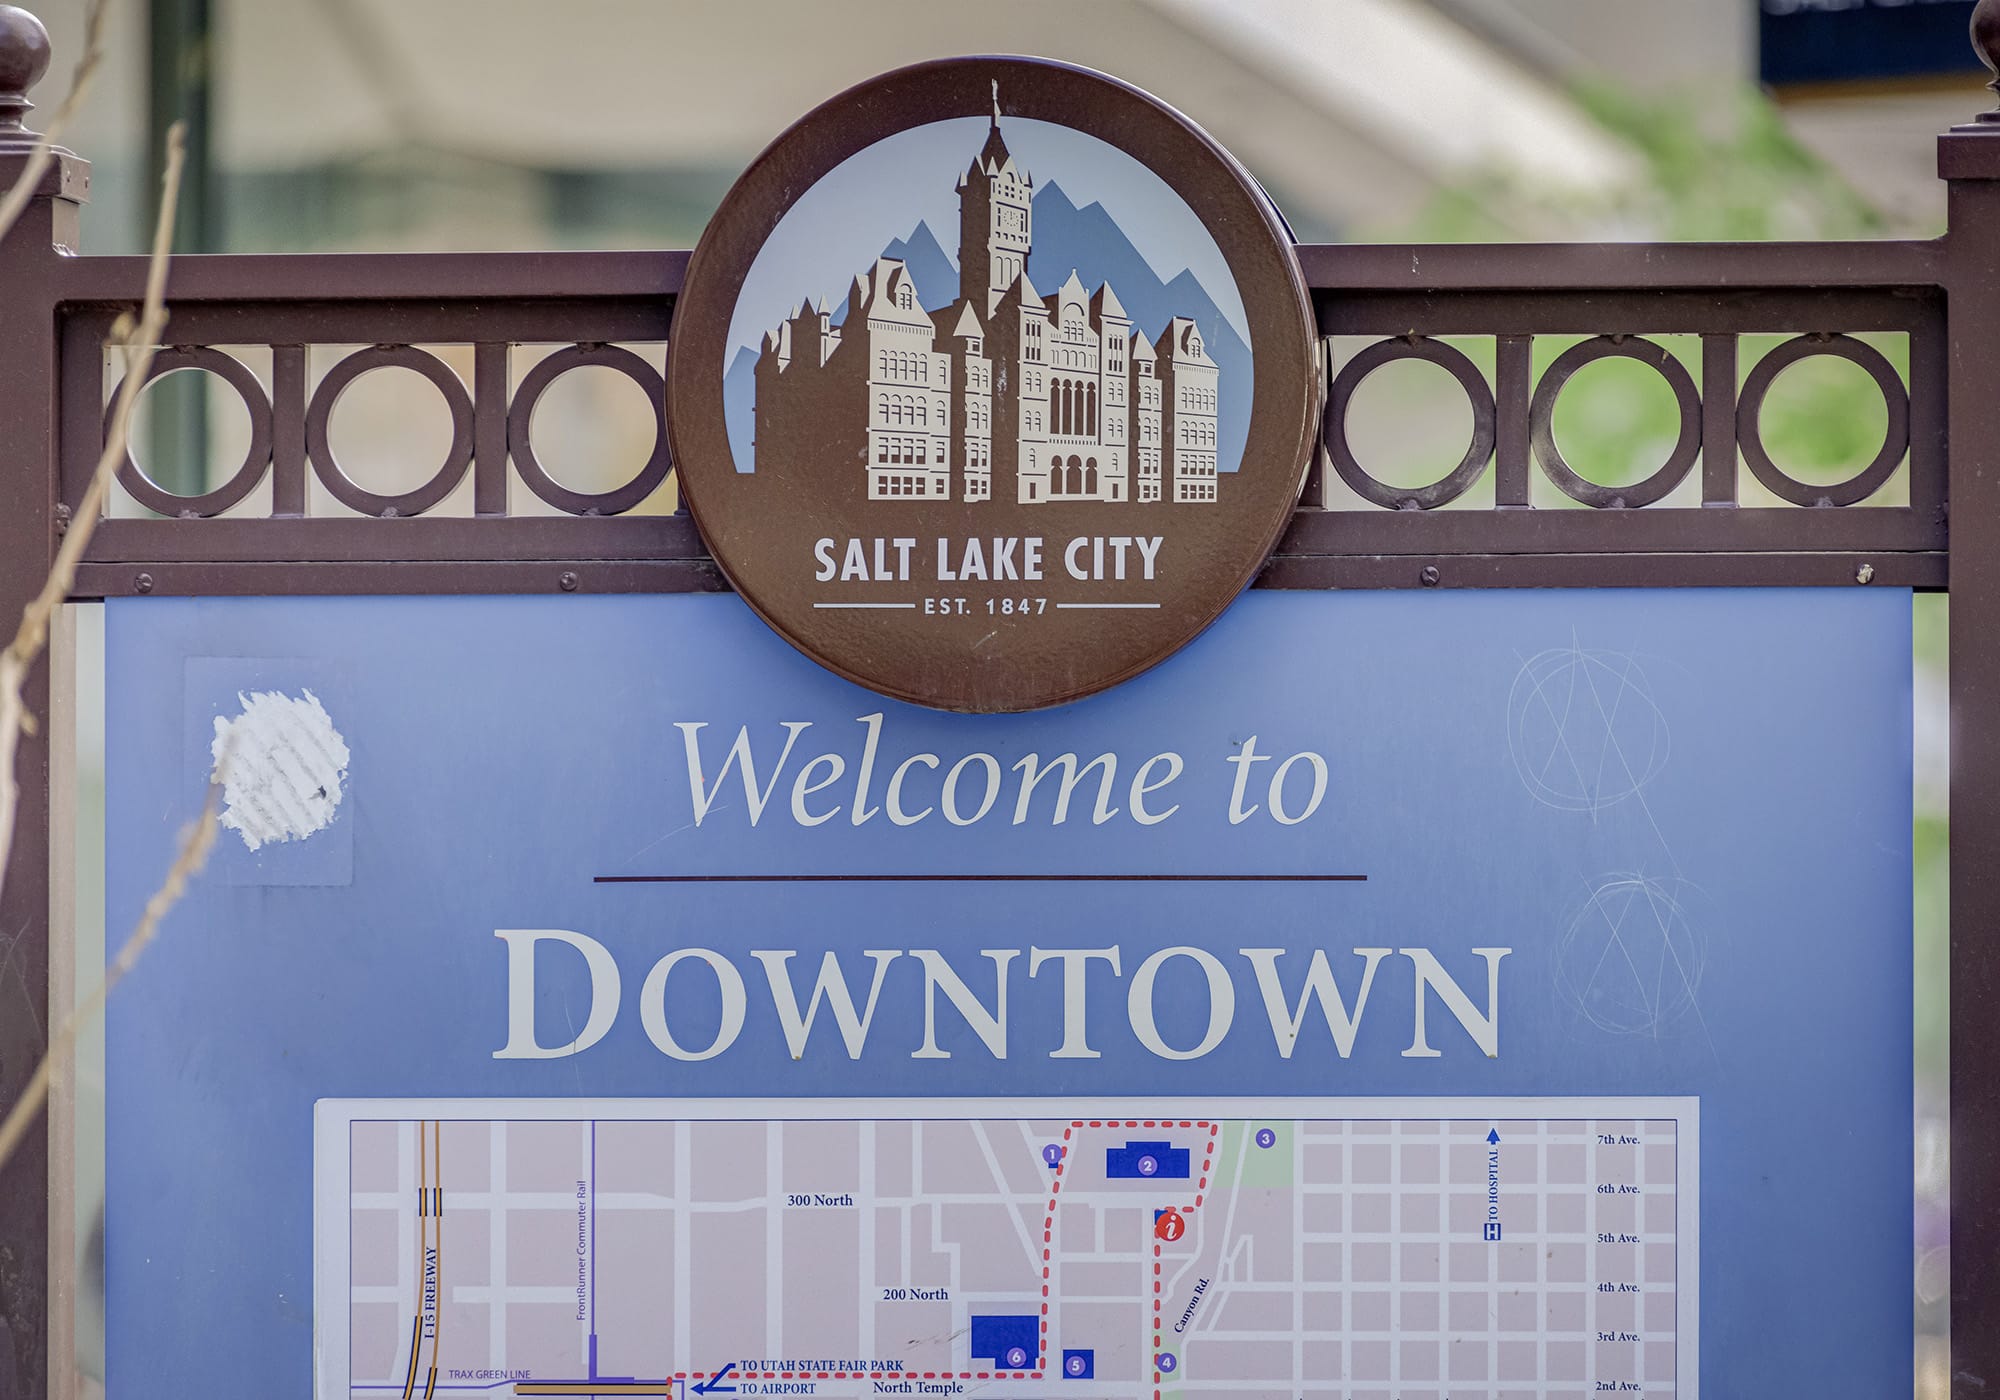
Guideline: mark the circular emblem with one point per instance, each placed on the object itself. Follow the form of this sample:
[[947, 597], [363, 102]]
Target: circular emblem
[[993, 381]]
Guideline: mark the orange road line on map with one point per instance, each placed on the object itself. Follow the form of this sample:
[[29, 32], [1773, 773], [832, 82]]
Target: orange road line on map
[[423, 1248], [410, 1380], [437, 1229], [430, 1206]]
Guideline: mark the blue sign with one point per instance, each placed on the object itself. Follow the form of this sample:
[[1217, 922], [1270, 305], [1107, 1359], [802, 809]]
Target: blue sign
[[1838, 41], [591, 995]]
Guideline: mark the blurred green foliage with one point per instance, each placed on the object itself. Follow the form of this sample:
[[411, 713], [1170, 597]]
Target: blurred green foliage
[[1724, 169], [1710, 169]]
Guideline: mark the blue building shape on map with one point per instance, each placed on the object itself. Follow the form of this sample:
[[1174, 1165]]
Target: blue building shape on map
[[994, 1337], [1079, 1364], [1132, 1162]]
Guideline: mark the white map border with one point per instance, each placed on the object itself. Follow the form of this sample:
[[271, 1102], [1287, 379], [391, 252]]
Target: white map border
[[332, 1119]]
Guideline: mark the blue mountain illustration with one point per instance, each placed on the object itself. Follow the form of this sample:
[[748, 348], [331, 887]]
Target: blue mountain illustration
[[937, 285], [1066, 237], [935, 271], [1088, 240], [739, 406]]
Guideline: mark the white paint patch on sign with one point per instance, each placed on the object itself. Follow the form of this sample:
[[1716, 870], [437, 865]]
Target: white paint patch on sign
[[281, 764]]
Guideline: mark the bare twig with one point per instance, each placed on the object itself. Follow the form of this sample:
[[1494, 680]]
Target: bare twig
[[44, 154], [138, 343], [137, 339], [196, 842]]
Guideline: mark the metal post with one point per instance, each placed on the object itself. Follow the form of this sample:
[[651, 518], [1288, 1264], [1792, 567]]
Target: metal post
[[1969, 158], [180, 64], [28, 261]]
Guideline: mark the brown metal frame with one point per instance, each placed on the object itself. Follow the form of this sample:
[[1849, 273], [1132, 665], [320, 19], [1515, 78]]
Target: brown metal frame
[[1942, 295]]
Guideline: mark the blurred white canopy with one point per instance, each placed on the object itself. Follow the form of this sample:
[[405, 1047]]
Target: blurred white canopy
[[1355, 111]]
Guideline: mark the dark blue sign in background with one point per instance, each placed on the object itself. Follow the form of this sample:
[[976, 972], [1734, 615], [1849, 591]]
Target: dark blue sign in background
[[1833, 41], [1687, 814]]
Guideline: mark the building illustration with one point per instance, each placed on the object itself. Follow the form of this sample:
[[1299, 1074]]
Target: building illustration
[[1005, 392]]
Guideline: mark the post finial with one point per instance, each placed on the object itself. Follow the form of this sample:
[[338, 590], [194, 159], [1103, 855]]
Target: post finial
[[1986, 43], [24, 58], [996, 102]]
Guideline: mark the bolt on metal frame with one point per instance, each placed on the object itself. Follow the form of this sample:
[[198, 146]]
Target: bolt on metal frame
[[1942, 438]]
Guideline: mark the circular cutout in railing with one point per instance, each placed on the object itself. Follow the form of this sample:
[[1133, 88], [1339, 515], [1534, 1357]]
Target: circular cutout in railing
[[1398, 399], [1834, 401], [186, 387], [360, 400], [1616, 421], [604, 405]]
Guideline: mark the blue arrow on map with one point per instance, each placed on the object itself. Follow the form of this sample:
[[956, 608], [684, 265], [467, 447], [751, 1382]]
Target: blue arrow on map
[[714, 1385], [1494, 1137]]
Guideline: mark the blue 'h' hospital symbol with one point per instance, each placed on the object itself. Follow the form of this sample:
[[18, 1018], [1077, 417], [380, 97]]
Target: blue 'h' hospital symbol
[[1493, 1231]]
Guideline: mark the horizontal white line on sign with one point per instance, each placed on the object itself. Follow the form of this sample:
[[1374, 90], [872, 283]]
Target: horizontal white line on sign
[[864, 605], [1107, 605]]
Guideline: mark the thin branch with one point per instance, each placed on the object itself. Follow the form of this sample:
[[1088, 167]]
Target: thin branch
[[138, 342], [44, 154], [196, 843]]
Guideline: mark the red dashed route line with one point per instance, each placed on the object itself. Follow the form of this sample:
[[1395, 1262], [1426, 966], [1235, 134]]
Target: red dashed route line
[[1048, 1235], [863, 1375], [1048, 1238], [1055, 1192], [1156, 1321]]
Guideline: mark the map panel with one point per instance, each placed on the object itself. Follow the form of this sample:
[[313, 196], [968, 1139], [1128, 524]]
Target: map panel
[[1361, 1249]]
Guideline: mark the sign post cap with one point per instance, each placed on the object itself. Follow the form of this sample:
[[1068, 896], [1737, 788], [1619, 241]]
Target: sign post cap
[[1986, 43], [24, 59]]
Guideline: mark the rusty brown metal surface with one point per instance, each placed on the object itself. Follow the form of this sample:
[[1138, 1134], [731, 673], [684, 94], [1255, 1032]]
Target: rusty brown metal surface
[[28, 356], [1969, 157], [587, 304]]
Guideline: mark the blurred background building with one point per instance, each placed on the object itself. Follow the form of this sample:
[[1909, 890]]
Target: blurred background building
[[325, 124], [322, 125]]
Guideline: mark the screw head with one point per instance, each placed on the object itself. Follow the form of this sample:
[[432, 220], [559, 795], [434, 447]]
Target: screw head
[[1865, 574], [143, 584], [1430, 576], [568, 582]]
